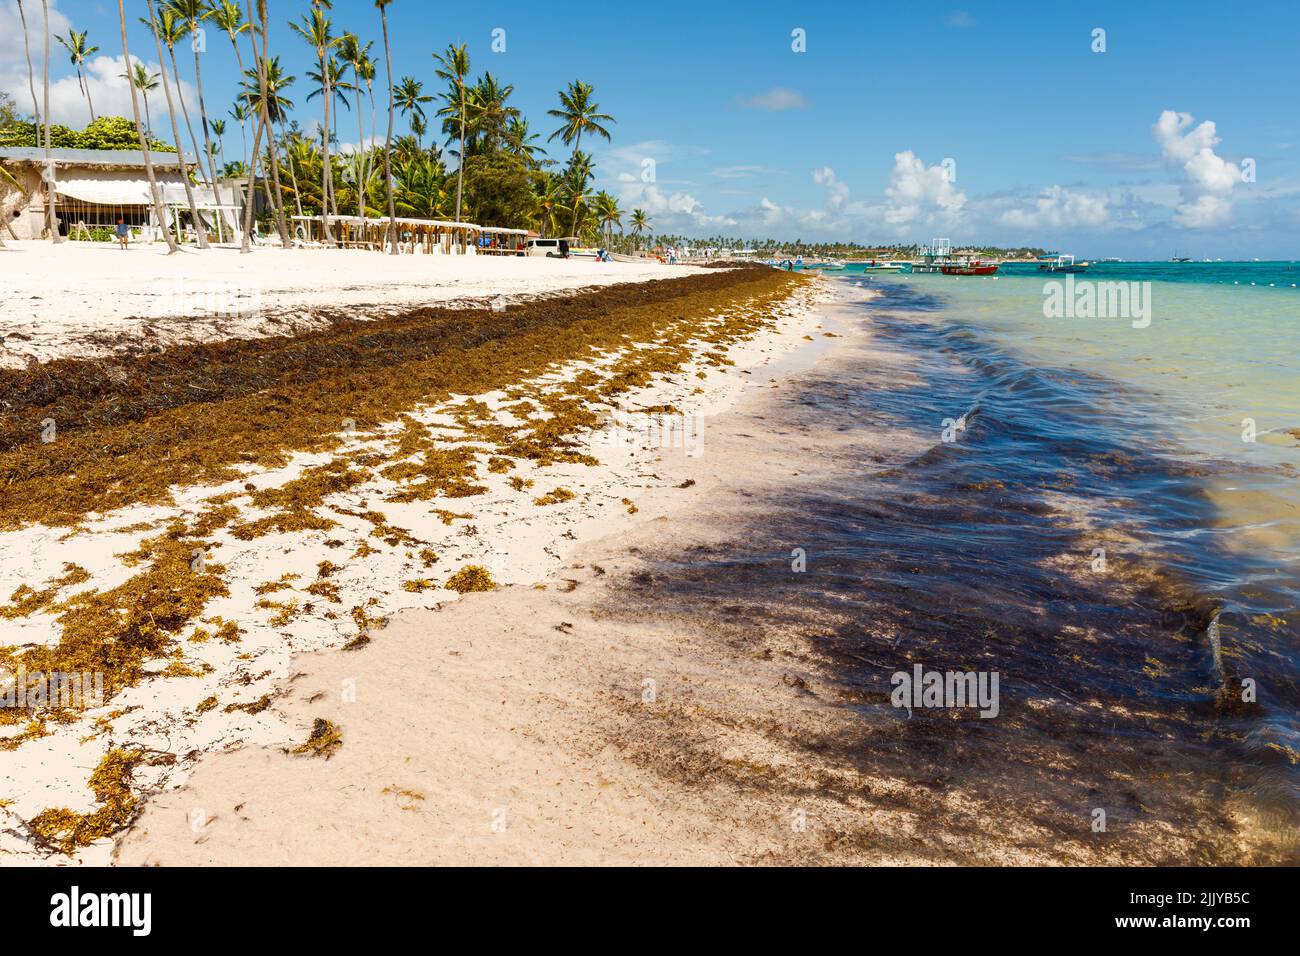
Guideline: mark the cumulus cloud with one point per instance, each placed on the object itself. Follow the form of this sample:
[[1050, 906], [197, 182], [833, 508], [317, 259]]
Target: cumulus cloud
[[1208, 179], [836, 191], [777, 98], [920, 194], [102, 74], [1057, 207]]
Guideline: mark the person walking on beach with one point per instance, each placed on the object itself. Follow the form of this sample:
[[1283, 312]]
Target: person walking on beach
[[123, 234]]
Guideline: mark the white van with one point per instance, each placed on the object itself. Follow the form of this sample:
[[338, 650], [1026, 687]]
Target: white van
[[550, 248]]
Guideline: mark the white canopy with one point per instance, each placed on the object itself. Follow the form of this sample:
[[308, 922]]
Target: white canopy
[[112, 187]]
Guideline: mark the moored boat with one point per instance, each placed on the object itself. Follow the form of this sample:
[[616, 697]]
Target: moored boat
[[973, 268], [1055, 262]]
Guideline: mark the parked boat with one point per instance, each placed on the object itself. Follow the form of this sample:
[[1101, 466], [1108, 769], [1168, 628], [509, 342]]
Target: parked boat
[[882, 265], [1060, 263], [972, 268]]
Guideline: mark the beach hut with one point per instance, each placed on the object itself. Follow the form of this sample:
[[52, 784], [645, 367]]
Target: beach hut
[[94, 187], [417, 236]]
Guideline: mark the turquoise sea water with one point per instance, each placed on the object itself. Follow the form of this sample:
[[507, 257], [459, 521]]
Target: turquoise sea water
[[1209, 389]]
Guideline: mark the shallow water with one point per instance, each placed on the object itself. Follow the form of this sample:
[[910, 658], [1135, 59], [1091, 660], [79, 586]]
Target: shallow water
[[1121, 679]]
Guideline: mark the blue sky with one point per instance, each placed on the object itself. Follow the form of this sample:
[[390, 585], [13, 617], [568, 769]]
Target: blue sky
[[983, 122]]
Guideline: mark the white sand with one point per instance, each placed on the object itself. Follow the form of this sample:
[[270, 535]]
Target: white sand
[[518, 541], [81, 298]]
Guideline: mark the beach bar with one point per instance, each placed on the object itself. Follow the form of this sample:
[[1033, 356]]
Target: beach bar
[[418, 236]]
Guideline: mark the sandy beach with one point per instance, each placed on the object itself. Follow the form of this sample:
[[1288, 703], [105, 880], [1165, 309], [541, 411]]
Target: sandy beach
[[275, 584], [95, 299]]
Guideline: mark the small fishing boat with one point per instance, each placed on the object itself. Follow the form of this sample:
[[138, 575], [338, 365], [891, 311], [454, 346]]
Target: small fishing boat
[[972, 268], [1060, 263], [884, 265]]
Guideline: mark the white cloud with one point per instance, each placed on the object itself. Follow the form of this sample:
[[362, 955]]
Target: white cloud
[[960, 19], [103, 74], [836, 191], [1057, 207], [920, 194], [1208, 178], [777, 98]]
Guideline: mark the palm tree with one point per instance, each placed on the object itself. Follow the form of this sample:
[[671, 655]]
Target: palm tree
[[489, 116], [261, 60], [159, 212], [160, 29], [239, 113], [228, 17], [353, 54], [577, 177], [219, 131], [550, 203], [454, 68], [31, 77], [315, 30], [640, 222], [193, 11], [578, 115], [367, 73], [519, 140], [382, 5], [146, 82], [410, 103], [78, 50], [607, 214]]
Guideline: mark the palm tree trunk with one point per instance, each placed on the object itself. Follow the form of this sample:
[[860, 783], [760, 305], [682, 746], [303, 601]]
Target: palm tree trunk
[[369, 153], [577, 202], [361, 155], [460, 166], [85, 88], [293, 175], [31, 79], [176, 134], [278, 203], [185, 114], [148, 120], [203, 120], [388, 148], [246, 243], [327, 173], [50, 224], [160, 213]]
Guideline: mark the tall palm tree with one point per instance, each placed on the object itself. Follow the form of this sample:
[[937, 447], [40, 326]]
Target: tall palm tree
[[239, 113], [173, 30], [550, 203], [354, 54], [51, 226], [382, 5], [454, 68], [159, 31], [489, 114], [261, 59], [31, 77], [146, 82], [160, 213], [640, 222], [608, 214], [411, 98], [193, 12], [78, 50], [219, 131], [336, 85], [315, 30], [578, 114]]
